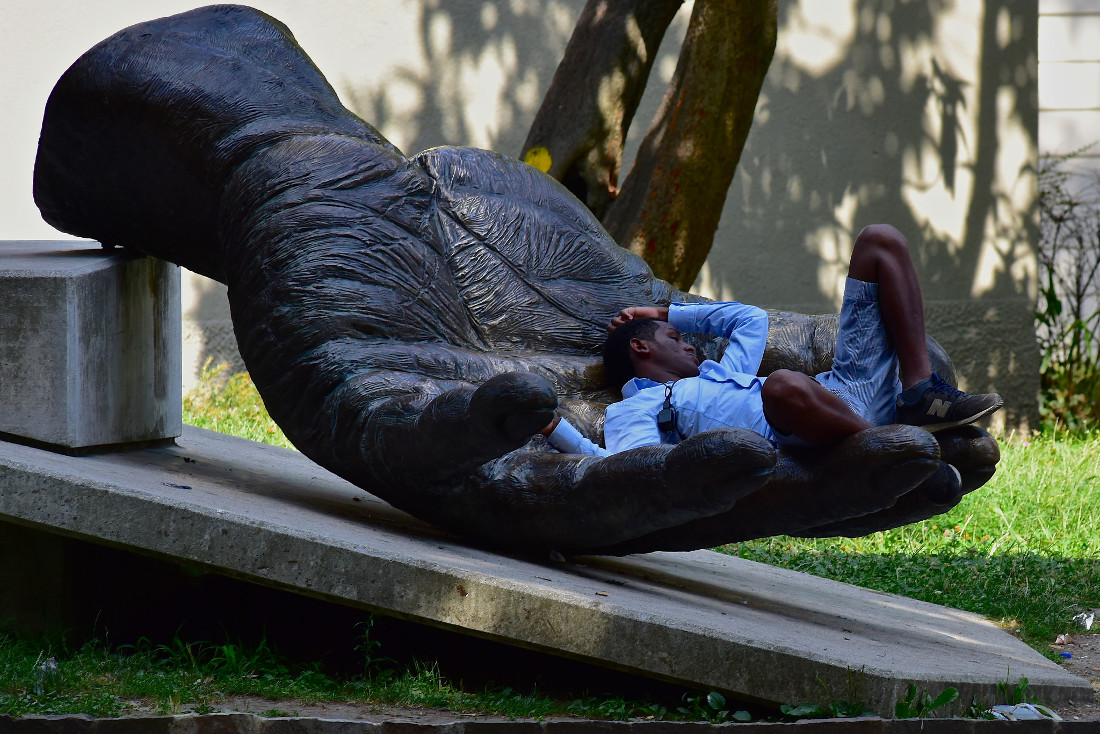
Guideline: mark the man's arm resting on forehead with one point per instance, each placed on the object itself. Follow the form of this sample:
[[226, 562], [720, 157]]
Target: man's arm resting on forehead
[[745, 326], [638, 312], [719, 319]]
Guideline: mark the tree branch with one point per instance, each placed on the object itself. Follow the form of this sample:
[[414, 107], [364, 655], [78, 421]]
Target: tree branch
[[577, 135], [670, 204]]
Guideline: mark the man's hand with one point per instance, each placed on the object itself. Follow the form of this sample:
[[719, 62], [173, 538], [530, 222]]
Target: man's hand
[[550, 428], [637, 312]]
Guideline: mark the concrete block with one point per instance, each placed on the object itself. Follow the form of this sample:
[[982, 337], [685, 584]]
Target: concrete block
[[89, 345], [701, 619]]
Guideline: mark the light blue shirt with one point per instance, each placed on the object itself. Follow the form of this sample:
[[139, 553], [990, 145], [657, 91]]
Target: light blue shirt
[[726, 394]]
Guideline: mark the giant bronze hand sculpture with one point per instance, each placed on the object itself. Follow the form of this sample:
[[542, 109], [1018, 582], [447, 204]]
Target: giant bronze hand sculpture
[[411, 322]]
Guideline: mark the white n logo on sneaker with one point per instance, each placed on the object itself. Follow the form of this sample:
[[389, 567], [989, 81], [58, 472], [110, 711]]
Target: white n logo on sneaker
[[939, 408]]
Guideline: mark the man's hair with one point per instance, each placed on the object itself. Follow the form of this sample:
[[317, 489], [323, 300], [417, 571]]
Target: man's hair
[[617, 364]]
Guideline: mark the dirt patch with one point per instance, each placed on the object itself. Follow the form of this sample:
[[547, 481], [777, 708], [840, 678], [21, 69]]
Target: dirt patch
[[1084, 662], [350, 711]]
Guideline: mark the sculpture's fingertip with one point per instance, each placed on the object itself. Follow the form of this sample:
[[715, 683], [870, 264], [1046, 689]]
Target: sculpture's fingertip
[[516, 391], [515, 405], [968, 445], [891, 442], [517, 426], [724, 464], [944, 487]]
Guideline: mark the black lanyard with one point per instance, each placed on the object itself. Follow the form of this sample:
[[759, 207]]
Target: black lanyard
[[666, 418]]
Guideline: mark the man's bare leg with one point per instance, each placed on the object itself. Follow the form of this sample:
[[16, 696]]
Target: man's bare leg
[[795, 403], [881, 255]]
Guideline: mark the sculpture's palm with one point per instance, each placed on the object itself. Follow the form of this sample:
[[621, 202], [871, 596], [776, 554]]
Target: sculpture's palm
[[411, 323]]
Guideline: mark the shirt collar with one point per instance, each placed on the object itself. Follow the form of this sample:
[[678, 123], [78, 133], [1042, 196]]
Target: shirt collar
[[637, 384]]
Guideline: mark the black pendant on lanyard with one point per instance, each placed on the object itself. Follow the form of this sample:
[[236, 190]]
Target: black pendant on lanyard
[[666, 419]]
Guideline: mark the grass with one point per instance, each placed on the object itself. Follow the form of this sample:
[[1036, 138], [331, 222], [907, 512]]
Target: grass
[[1022, 551], [230, 404], [195, 676]]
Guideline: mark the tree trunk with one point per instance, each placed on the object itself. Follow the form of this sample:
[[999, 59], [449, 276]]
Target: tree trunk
[[670, 204], [577, 135]]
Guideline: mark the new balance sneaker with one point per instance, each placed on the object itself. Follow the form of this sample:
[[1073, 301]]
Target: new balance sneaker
[[938, 405]]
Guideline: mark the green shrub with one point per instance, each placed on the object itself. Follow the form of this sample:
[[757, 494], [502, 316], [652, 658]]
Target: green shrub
[[1068, 312]]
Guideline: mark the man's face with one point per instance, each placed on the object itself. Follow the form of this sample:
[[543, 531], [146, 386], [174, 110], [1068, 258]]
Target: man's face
[[668, 356]]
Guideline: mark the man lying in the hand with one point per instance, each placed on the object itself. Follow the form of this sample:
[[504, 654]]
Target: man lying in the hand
[[669, 396]]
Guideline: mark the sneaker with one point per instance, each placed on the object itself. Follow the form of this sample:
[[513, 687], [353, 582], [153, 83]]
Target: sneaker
[[942, 406]]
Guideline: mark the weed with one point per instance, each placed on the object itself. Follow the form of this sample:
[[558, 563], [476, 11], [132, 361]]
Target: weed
[[843, 708], [278, 713], [709, 707], [615, 708], [1011, 695], [922, 705], [1068, 313], [648, 711], [374, 665]]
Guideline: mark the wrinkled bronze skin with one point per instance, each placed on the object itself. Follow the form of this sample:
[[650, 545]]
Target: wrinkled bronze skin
[[411, 322]]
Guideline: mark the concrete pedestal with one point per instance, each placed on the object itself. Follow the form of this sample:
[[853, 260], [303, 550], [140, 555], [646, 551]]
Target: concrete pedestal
[[89, 346]]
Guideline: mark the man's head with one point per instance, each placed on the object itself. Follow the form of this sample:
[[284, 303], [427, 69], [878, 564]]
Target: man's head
[[648, 348]]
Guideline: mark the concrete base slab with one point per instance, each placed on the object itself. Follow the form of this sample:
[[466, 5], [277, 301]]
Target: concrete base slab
[[700, 619], [89, 345]]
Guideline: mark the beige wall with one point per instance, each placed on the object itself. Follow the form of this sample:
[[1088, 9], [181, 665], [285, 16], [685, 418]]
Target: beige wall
[[872, 111], [1069, 85]]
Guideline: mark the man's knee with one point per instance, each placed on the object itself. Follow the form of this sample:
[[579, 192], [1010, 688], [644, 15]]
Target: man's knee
[[882, 238], [786, 390], [877, 246]]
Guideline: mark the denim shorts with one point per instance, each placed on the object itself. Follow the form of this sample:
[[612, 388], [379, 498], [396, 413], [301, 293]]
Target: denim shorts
[[865, 366]]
